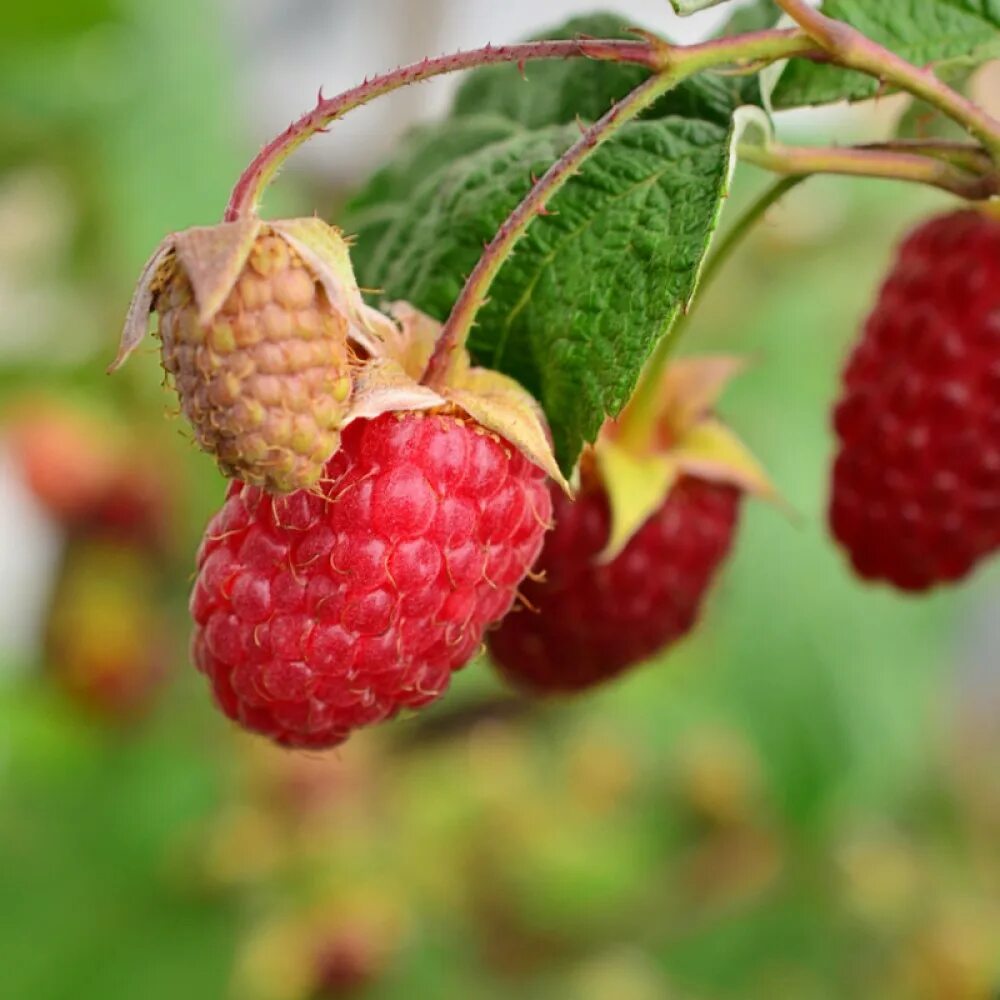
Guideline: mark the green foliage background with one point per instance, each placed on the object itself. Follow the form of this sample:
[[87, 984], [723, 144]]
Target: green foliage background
[[795, 803]]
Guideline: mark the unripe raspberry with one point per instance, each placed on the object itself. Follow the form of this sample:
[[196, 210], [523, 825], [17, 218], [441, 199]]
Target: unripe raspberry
[[255, 321], [265, 383], [107, 644]]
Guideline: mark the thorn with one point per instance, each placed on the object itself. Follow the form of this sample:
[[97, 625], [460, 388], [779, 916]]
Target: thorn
[[521, 64], [580, 125]]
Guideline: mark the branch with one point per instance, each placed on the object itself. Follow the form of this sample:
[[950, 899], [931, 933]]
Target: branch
[[758, 47], [247, 192], [848, 47], [888, 163]]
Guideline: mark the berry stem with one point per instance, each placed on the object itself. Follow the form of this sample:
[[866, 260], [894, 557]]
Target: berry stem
[[850, 48], [893, 163], [261, 171], [634, 429]]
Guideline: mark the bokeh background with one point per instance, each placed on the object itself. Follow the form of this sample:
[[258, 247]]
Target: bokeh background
[[802, 801]]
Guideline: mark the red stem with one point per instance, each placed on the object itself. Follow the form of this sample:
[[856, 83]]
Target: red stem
[[247, 192]]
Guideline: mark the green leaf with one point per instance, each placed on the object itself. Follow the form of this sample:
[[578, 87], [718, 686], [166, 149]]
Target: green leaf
[[952, 36], [575, 312], [557, 91], [425, 150]]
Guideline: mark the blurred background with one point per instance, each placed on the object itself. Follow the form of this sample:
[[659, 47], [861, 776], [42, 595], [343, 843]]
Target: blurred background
[[802, 801]]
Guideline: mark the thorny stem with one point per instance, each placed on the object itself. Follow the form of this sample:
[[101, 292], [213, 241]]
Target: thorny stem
[[247, 193], [633, 431], [850, 48], [761, 46], [476, 290], [676, 63], [873, 161]]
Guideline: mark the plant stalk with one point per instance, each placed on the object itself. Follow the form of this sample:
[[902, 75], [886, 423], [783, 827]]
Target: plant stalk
[[850, 48], [890, 163], [262, 169]]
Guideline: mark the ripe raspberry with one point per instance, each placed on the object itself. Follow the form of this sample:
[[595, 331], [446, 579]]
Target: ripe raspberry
[[265, 382], [916, 484], [588, 620], [90, 474], [324, 611]]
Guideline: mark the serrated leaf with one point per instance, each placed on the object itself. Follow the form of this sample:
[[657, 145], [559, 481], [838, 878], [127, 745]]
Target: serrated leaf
[[951, 36], [592, 287], [421, 153], [685, 7]]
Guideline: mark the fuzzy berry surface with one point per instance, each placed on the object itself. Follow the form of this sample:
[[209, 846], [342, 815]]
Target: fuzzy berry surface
[[588, 620], [915, 496], [266, 383], [327, 610]]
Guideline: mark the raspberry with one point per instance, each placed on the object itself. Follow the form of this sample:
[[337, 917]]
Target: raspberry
[[588, 620], [323, 611], [107, 643], [916, 483], [265, 381], [93, 477]]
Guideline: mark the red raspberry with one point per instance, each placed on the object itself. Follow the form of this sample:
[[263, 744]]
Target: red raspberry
[[594, 619], [916, 484], [321, 612]]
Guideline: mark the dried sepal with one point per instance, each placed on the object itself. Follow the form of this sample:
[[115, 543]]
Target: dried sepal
[[327, 253], [212, 259], [382, 386], [137, 317], [693, 386]]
